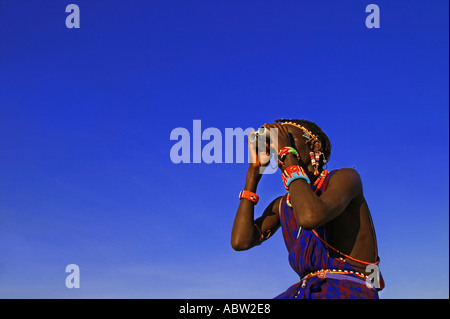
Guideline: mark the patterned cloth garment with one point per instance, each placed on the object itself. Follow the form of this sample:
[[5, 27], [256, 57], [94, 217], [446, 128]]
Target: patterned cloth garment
[[309, 255]]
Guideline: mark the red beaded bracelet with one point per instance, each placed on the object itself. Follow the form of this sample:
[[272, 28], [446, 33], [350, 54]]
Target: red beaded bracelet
[[249, 195]]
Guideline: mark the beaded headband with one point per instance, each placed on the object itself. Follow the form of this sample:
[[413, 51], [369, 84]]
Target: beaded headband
[[306, 133]]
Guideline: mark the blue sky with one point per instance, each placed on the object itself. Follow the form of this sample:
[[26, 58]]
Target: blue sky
[[86, 115]]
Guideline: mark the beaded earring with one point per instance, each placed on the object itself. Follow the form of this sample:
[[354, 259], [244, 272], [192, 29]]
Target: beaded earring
[[315, 155]]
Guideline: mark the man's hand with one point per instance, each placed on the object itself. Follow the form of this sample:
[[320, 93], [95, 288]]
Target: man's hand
[[258, 157], [281, 139]]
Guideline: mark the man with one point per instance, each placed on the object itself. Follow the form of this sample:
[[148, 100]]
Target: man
[[325, 220]]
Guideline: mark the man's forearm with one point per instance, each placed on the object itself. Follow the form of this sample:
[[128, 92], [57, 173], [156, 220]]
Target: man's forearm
[[243, 235]]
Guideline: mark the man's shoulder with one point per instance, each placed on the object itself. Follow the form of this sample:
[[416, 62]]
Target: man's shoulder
[[349, 172], [346, 176]]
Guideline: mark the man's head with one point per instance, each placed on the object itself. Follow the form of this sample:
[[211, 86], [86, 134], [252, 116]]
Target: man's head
[[300, 137]]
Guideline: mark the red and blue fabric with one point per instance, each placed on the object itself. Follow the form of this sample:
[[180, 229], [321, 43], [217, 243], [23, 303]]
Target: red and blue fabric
[[308, 254]]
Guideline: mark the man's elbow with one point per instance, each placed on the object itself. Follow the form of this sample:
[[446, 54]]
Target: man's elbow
[[308, 221], [239, 245], [307, 225]]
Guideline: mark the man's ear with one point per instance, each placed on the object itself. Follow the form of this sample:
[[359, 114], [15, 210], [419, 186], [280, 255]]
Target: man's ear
[[317, 146]]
